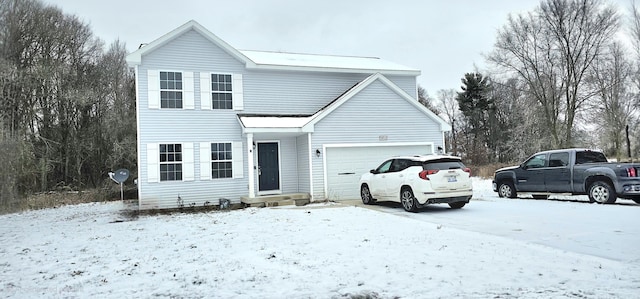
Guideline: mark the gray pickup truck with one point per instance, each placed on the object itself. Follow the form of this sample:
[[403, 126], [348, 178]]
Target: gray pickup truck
[[570, 171]]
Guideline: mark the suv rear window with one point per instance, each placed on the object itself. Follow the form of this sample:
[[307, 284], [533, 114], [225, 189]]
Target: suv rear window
[[442, 164]]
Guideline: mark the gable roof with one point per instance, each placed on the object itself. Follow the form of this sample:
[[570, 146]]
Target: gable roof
[[305, 123], [280, 60], [135, 58]]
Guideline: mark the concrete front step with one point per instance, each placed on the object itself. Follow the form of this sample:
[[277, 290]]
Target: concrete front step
[[298, 199]]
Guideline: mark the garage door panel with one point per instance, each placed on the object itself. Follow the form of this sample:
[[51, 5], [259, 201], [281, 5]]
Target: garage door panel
[[345, 165]]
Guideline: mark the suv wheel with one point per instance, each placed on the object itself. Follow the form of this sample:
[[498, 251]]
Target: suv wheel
[[506, 189], [365, 194], [601, 192], [409, 202]]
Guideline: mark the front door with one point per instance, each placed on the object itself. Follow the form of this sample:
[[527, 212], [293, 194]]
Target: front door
[[268, 167]]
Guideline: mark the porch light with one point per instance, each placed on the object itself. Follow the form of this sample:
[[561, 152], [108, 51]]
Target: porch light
[[318, 153]]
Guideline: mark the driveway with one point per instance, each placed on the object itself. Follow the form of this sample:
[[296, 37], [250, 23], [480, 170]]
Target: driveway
[[608, 231]]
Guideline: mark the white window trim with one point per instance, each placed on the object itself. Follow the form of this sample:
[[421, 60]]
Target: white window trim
[[153, 162], [237, 93], [154, 90], [237, 160]]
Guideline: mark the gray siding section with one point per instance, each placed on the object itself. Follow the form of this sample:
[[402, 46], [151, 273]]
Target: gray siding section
[[303, 164], [193, 53], [302, 92], [358, 121]]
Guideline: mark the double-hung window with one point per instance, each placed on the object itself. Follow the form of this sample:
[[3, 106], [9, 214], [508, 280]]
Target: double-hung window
[[171, 90], [171, 162], [221, 91], [221, 160]]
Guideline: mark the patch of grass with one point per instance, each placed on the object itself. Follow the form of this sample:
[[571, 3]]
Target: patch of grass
[[54, 199]]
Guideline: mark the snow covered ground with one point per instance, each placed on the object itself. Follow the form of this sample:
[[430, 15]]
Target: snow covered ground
[[322, 251]]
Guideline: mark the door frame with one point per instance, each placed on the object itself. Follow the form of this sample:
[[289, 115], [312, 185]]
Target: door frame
[[274, 191]]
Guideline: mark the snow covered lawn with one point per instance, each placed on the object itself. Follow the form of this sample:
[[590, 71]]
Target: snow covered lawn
[[317, 251]]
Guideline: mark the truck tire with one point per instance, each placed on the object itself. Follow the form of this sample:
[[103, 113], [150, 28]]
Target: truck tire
[[506, 189], [602, 193]]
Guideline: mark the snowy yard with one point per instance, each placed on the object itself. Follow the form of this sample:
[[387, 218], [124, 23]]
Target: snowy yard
[[319, 251]]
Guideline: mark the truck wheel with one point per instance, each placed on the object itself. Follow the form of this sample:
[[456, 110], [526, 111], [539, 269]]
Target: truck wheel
[[602, 193], [506, 189]]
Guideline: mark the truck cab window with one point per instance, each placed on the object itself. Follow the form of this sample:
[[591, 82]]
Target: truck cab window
[[537, 161], [558, 159], [590, 157]]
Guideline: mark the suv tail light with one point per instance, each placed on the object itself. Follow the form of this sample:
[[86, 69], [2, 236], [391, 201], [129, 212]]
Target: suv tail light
[[631, 172], [468, 170], [424, 174]]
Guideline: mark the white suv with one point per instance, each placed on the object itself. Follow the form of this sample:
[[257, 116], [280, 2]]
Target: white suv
[[416, 181]]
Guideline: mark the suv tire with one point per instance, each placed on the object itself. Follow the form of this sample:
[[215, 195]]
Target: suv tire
[[409, 202], [365, 194], [457, 205]]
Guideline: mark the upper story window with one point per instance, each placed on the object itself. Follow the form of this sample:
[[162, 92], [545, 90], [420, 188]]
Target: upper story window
[[171, 90], [221, 91], [171, 162], [221, 160]]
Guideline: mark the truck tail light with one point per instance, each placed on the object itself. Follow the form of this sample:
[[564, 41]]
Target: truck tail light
[[425, 173], [631, 172]]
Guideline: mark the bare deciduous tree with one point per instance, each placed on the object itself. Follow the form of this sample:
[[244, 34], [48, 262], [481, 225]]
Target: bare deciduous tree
[[551, 50]]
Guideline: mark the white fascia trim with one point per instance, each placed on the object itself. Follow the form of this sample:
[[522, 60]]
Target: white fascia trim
[[324, 146], [444, 126], [273, 130], [332, 69]]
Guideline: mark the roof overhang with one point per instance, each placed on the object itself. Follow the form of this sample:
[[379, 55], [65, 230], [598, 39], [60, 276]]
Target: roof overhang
[[275, 124]]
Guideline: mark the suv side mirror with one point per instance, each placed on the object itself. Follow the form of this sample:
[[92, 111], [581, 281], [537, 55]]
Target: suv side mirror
[[373, 171]]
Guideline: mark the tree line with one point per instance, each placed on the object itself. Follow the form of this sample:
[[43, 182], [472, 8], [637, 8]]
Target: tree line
[[67, 102], [566, 74]]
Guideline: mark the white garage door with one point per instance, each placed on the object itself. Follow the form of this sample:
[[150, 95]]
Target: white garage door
[[345, 165]]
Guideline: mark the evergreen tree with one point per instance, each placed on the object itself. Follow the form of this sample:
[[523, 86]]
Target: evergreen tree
[[477, 109]]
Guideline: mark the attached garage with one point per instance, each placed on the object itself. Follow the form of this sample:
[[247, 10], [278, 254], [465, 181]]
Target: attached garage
[[345, 163]]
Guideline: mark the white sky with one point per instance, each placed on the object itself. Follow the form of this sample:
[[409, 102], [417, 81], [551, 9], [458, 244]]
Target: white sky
[[444, 39]]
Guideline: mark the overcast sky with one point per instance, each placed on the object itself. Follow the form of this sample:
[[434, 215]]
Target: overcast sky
[[444, 39]]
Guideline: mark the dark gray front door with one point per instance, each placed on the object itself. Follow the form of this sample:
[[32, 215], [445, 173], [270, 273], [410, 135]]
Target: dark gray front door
[[269, 166]]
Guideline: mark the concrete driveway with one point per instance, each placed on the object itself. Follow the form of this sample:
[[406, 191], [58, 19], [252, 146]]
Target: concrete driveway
[[608, 231]]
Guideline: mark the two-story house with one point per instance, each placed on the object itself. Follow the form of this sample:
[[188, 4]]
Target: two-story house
[[216, 122]]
